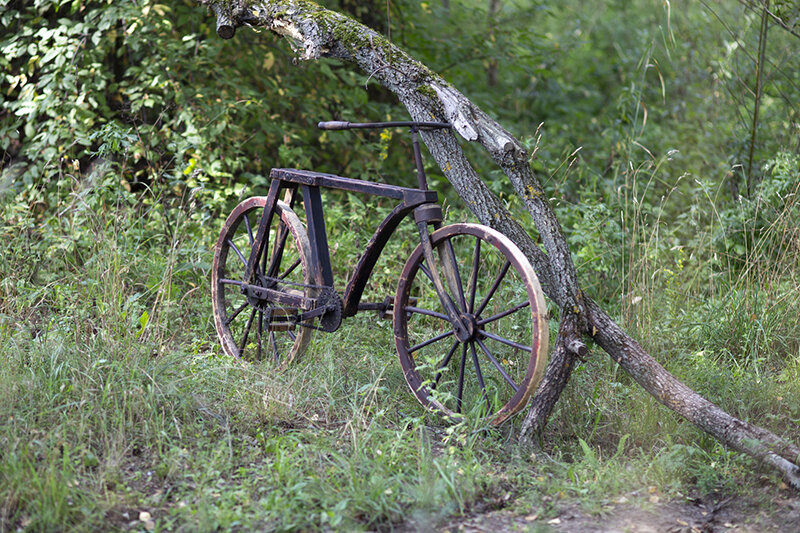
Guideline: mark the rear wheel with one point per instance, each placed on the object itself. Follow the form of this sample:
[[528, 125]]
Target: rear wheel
[[256, 328], [490, 364]]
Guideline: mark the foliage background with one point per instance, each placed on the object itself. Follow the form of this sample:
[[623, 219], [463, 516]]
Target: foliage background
[[128, 130]]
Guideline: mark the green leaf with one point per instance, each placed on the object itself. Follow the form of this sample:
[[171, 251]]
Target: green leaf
[[144, 319], [588, 454]]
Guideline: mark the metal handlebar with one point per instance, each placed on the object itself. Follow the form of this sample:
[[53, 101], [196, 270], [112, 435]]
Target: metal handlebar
[[422, 181], [340, 125]]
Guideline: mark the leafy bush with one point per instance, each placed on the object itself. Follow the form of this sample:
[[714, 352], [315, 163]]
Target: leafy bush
[[149, 88]]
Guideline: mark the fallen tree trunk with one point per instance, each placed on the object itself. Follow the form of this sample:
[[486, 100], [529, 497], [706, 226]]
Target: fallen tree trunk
[[315, 32]]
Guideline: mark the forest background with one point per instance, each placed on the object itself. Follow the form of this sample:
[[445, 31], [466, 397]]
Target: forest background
[[666, 136]]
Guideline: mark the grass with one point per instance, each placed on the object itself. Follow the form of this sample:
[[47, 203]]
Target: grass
[[115, 399], [118, 410], [193, 439]]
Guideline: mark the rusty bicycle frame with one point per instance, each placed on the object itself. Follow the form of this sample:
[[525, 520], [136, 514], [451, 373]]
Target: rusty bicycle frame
[[421, 201], [448, 304]]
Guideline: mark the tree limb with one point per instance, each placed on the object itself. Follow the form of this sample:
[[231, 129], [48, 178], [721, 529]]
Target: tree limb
[[568, 348]]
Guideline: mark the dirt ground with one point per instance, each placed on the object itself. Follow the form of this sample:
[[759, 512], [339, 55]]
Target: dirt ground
[[772, 511]]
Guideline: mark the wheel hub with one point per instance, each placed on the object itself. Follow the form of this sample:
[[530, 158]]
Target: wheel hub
[[466, 328], [252, 299]]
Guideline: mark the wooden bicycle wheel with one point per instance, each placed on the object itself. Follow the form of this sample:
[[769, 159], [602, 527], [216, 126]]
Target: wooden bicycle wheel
[[493, 362], [252, 328]]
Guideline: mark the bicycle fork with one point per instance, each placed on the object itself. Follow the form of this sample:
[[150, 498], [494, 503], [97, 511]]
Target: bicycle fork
[[431, 215]]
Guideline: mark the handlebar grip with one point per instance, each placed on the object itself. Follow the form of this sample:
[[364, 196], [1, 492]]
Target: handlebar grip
[[334, 125]]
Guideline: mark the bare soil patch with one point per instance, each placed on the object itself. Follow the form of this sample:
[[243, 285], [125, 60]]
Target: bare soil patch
[[771, 511]]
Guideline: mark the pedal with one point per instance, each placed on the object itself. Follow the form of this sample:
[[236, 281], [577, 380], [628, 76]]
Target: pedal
[[388, 308], [387, 311], [281, 317], [281, 321]]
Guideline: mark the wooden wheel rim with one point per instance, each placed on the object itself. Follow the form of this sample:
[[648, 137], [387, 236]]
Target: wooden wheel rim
[[538, 357]]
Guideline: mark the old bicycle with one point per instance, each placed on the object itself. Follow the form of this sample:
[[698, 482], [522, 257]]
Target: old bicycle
[[469, 315]]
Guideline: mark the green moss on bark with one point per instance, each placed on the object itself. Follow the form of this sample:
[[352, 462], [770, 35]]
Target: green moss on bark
[[427, 91]]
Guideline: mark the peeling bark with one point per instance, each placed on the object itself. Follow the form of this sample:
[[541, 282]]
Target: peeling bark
[[315, 32]]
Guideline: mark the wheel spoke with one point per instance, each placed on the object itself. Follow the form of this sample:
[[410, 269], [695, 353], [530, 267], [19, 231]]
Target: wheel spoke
[[247, 332], [459, 288], [230, 282], [426, 271], [249, 229], [251, 238], [479, 375], [258, 334], [235, 313], [430, 277], [495, 285], [289, 269], [444, 363], [505, 341], [277, 251], [427, 312], [288, 335], [275, 352], [461, 369], [430, 341], [505, 313], [497, 365], [474, 281], [238, 252], [264, 249]]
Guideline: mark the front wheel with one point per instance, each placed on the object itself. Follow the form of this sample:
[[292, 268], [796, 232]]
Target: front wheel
[[490, 365]]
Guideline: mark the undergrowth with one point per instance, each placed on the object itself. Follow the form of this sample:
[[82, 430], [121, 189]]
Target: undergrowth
[[115, 400], [118, 409]]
